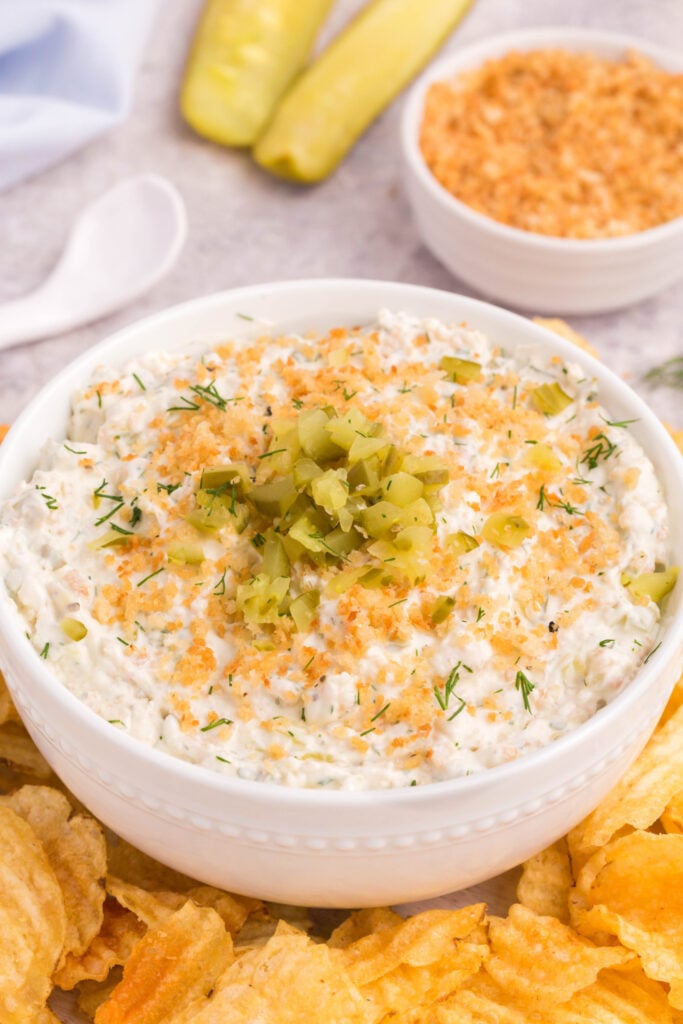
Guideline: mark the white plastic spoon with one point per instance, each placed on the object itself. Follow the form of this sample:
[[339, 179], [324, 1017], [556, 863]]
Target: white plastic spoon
[[121, 245]]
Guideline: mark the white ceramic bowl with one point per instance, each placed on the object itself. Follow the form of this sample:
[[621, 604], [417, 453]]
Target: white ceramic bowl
[[331, 848], [520, 268]]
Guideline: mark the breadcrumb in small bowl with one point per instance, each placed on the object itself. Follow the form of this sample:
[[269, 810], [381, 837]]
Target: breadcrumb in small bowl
[[545, 168]]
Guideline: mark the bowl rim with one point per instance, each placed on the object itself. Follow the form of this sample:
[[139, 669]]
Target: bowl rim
[[472, 55], [13, 637]]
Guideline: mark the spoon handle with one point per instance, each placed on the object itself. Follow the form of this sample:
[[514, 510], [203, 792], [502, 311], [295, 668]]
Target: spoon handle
[[29, 319]]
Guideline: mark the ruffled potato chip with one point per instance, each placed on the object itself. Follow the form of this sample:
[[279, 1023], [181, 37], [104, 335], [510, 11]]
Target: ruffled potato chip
[[126, 861], [633, 888], [672, 817], [641, 796], [18, 750], [623, 996], [364, 922], [110, 948], [76, 850], [675, 700], [91, 994], [562, 328], [32, 921], [289, 980], [170, 968], [8, 712], [542, 962], [546, 881], [153, 908]]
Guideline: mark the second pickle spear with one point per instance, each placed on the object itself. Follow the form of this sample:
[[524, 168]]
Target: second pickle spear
[[342, 92], [244, 55]]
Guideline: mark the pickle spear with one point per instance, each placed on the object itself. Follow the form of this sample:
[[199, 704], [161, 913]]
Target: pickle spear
[[353, 80], [244, 55]]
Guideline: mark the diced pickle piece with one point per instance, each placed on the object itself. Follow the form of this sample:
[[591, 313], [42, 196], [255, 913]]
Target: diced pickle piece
[[276, 498], [461, 371], [305, 471], [261, 598], [392, 460], [375, 578], [185, 553], [275, 560], [214, 513], [109, 539], [330, 490], [303, 609], [341, 542], [505, 531], [541, 456], [310, 530], [550, 399], [460, 543], [345, 429], [443, 606], [342, 581], [365, 447], [364, 477], [74, 629], [417, 513], [407, 554], [430, 469], [314, 438], [219, 476], [402, 488], [380, 519], [655, 585]]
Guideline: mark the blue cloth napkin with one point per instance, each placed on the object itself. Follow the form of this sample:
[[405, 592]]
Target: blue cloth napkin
[[66, 75]]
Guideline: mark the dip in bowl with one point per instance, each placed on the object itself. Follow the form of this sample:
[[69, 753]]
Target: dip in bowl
[[282, 711]]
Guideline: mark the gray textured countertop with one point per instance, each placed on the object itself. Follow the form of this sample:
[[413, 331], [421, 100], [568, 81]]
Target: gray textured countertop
[[246, 227]]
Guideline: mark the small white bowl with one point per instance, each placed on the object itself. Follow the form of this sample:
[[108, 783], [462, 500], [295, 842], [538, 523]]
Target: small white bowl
[[339, 848], [520, 268]]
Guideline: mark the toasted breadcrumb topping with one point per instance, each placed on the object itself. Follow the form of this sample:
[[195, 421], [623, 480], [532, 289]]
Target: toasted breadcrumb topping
[[560, 143]]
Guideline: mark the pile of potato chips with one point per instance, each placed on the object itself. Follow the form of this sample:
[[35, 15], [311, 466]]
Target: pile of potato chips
[[597, 934]]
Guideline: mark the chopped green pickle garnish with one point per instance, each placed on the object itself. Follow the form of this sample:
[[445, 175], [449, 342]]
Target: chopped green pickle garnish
[[550, 399], [331, 488], [185, 553], [460, 543], [655, 585], [461, 371], [443, 606], [74, 629], [505, 531]]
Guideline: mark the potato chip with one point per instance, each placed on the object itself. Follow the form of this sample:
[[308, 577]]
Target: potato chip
[[110, 948], [263, 923], [153, 908], [639, 798], [18, 750], [289, 980], [633, 888], [8, 712], [562, 328], [624, 996], [672, 817], [541, 961], [675, 700], [416, 961], [126, 861], [76, 850], [32, 921], [169, 968], [546, 881], [362, 923]]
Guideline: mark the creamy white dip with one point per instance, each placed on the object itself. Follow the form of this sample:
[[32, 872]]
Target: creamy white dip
[[374, 693]]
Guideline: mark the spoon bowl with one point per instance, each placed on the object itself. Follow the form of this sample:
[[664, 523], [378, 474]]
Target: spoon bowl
[[120, 246]]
